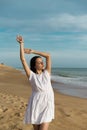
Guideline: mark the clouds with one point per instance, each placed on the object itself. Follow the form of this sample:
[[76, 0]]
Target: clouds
[[62, 22], [66, 22], [58, 26], [43, 16], [61, 29]]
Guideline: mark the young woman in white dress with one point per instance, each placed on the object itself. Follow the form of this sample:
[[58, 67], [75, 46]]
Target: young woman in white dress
[[40, 109]]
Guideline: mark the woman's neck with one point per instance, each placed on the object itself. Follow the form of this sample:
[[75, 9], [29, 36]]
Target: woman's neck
[[38, 71]]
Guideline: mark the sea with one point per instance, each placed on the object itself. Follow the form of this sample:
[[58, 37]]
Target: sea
[[70, 81]]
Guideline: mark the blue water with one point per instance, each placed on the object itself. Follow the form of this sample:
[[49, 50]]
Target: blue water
[[75, 76], [71, 81]]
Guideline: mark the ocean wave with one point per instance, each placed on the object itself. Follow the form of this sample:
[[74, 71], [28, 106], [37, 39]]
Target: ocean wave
[[80, 81]]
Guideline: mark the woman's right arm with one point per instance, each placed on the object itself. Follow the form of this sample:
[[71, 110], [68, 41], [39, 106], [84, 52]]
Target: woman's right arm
[[23, 60]]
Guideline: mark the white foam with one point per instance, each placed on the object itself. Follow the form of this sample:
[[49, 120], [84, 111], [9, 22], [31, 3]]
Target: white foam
[[79, 81]]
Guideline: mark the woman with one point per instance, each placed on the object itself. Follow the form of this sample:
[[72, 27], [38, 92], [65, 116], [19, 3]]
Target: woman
[[40, 109]]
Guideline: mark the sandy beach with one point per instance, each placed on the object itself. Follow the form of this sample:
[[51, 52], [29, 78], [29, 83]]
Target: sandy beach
[[15, 90]]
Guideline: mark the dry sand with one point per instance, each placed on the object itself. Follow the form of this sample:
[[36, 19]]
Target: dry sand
[[70, 112]]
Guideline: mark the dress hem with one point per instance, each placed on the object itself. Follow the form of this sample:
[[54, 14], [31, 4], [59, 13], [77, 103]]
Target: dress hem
[[37, 123]]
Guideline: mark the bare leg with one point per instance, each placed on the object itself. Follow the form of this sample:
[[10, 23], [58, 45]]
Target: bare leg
[[44, 126], [36, 127]]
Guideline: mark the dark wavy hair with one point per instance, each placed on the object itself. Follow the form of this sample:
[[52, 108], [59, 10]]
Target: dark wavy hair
[[33, 62]]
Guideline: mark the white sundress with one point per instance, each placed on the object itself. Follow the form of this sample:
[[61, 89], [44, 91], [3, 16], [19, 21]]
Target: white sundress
[[40, 107]]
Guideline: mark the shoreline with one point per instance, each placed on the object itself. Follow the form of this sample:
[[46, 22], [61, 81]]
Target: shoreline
[[15, 90]]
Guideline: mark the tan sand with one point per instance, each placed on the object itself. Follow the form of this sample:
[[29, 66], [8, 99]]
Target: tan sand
[[70, 112]]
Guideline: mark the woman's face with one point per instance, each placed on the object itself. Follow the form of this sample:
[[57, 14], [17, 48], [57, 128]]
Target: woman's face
[[39, 64]]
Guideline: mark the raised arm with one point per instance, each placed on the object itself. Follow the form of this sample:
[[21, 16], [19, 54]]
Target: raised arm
[[23, 60], [46, 55]]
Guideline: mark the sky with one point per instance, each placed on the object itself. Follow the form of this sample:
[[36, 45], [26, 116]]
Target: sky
[[55, 26]]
